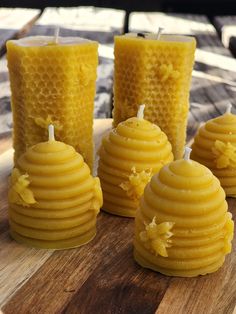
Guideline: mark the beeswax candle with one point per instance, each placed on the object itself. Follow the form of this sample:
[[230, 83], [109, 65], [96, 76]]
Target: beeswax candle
[[53, 81], [129, 155], [155, 71], [215, 147], [53, 199], [182, 227]]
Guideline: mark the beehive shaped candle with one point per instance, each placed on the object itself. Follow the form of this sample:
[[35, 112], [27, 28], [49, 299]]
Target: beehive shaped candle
[[129, 155], [53, 199], [53, 82], [183, 227], [157, 72], [215, 147]]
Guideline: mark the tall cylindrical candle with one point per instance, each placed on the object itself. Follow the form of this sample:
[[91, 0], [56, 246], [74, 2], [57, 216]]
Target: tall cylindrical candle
[[155, 70], [53, 82]]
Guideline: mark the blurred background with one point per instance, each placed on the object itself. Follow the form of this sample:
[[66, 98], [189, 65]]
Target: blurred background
[[207, 7], [195, 6]]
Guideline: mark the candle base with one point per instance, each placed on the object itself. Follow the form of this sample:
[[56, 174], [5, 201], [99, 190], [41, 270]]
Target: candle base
[[56, 245], [178, 273], [119, 211]]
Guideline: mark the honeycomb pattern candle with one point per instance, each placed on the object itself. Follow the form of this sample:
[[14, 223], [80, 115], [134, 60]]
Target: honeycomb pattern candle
[[53, 199], [129, 155], [215, 147], [53, 81], [155, 70], [183, 227]]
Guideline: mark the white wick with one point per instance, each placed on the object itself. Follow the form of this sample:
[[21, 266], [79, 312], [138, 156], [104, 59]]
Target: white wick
[[51, 136], [187, 153], [140, 113], [229, 108], [160, 30], [56, 34]]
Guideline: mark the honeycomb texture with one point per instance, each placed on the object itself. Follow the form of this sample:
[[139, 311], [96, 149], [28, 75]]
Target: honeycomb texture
[[53, 84], [57, 199], [129, 155], [193, 229], [215, 147], [156, 73]]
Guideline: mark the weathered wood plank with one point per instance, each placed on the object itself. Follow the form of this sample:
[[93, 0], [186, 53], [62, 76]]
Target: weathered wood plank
[[65, 272], [5, 106], [226, 27], [15, 22], [120, 285], [5, 142], [214, 75], [93, 23]]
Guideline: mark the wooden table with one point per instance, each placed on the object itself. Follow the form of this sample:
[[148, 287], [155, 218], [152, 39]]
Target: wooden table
[[102, 277]]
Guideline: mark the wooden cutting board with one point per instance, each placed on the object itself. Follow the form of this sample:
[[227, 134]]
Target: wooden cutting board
[[101, 277]]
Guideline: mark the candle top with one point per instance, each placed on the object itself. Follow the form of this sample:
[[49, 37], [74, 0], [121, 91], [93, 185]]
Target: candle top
[[165, 37], [49, 40]]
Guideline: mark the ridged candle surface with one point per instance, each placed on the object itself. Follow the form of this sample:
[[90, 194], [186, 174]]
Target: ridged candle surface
[[157, 73], [53, 84], [183, 227], [129, 155], [53, 199], [215, 147]]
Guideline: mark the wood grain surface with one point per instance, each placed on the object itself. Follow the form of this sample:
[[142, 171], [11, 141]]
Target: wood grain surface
[[226, 27]]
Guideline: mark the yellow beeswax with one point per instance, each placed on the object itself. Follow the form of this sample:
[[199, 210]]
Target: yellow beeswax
[[53, 83], [215, 147], [156, 72], [53, 199], [129, 155], [182, 227]]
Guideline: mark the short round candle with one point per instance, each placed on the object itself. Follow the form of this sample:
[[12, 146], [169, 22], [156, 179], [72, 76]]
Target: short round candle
[[215, 147], [53, 199], [182, 227], [129, 155]]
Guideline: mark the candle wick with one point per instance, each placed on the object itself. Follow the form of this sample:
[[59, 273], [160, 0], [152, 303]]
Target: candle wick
[[51, 136], [140, 113], [229, 108], [56, 34], [160, 30], [187, 153]]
